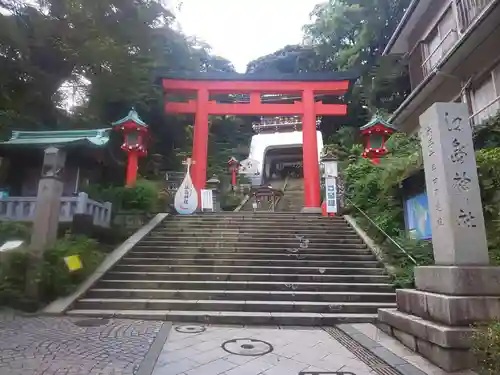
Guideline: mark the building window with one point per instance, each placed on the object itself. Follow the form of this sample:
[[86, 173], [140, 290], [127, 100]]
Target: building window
[[439, 42], [485, 98]]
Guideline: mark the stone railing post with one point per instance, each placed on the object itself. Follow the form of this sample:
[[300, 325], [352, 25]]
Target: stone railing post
[[81, 203], [108, 206]]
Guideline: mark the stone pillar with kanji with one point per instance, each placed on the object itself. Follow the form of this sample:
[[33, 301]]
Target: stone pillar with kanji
[[461, 288]]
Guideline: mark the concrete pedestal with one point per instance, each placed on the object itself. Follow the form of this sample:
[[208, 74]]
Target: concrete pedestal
[[435, 319]]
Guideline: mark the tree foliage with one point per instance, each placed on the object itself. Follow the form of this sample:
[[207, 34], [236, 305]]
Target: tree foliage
[[84, 63]]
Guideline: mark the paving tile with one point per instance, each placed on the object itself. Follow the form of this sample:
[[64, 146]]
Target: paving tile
[[213, 368], [178, 354], [210, 355], [175, 368], [250, 368]]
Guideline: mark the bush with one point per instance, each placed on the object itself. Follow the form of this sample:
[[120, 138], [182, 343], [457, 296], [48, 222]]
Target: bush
[[14, 230], [54, 279], [486, 348], [144, 196]]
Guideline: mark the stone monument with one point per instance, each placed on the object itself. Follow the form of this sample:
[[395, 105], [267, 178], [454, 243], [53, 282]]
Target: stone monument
[[461, 288], [47, 210]]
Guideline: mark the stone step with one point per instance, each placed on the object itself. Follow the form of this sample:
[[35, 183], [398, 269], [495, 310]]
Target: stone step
[[245, 285], [258, 223], [260, 256], [281, 244], [230, 305], [295, 236], [250, 229], [247, 295], [232, 317], [208, 276], [253, 238], [252, 262], [249, 269], [236, 250]]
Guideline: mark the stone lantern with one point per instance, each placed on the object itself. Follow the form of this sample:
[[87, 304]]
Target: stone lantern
[[135, 134], [375, 134]]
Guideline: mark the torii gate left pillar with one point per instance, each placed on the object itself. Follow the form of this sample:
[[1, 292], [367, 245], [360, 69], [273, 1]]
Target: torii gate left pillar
[[308, 108]]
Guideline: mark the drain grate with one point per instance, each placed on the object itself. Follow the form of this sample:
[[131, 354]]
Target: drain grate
[[364, 355], [94, 322], [247, 347]]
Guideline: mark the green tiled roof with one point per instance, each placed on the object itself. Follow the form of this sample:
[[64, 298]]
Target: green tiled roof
[[132, 116], [95, 137], [376, 121]]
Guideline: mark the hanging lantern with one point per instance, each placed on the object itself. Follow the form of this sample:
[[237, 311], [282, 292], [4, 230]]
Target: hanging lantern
[[375, 135], [135, 132]]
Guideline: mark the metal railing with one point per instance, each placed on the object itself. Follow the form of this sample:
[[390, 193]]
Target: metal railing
[[491, 109], [469, 10], [443, 47], [412, 259]]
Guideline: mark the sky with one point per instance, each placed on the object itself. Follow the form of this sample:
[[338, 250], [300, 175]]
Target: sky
[[243, 30]]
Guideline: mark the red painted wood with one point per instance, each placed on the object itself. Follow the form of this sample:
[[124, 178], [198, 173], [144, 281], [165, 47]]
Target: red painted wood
[[200, 143], [264, 87], [132, 166], [257, 109], [312, 195]]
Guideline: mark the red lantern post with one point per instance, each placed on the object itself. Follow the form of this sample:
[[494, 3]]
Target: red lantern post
[[135, 133], [375, 134], [233, 166]]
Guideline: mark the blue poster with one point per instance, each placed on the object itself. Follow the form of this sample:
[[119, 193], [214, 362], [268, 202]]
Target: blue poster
[[418, 220]]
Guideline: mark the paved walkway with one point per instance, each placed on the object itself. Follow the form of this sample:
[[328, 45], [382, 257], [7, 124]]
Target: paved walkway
[[70, 346]]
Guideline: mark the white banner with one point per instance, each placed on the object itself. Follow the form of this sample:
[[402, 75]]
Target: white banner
[[186, 198], [207, 200], [331, 194]]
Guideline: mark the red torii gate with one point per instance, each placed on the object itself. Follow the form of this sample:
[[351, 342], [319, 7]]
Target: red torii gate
[[304, 85]]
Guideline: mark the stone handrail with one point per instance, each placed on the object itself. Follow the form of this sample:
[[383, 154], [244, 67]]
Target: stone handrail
[[23, 209]]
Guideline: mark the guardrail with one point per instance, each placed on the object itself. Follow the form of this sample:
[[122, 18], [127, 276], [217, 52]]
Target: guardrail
[[412, 259], [23, 209]]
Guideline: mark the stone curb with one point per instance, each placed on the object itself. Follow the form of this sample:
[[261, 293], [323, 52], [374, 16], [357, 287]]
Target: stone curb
[[377, 250], [396, 362], [148, 364], [61, 305]]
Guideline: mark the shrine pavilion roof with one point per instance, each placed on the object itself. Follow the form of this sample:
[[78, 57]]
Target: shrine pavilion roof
[[60, 138], [377, 121], [224, 76]]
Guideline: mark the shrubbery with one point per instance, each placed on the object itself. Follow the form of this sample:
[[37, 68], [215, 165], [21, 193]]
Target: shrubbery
[[486, 348], [54, 279], [144, 196]]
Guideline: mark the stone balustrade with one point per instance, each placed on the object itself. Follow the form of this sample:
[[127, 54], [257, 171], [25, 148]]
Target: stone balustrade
[[23, 209]]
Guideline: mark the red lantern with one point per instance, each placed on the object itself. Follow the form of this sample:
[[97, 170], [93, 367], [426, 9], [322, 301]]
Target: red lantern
[[375, 135], [233, 166], [135, 132]]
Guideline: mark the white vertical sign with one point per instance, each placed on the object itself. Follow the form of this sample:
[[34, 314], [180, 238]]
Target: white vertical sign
[[207, 200], [331, 195]]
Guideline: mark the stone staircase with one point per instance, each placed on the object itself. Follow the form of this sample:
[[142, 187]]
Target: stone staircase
[[245, 268], [293, 200]]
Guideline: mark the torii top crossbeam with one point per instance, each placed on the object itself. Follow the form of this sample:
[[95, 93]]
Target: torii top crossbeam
[[303, 85]]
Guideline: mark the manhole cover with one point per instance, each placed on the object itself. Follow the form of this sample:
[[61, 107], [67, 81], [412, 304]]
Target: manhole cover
[[190, 329], [91, 322], [247, 347]]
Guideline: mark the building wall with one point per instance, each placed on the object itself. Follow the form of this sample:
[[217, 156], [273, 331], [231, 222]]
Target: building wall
[[452, 84]]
